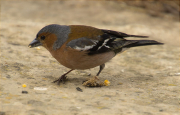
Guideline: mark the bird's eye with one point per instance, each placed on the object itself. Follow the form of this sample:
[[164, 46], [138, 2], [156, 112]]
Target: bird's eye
[[43, 37]]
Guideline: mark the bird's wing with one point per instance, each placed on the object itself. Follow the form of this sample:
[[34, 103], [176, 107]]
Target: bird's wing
[[82, 44], [102, 43], [120, 34]]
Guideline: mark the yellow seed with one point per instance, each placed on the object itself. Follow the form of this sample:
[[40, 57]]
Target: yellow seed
[[23, 85], [106, 82]]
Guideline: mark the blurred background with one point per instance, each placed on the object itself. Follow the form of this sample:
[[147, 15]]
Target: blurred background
[[149, 17], [144, 80], [157, 8]]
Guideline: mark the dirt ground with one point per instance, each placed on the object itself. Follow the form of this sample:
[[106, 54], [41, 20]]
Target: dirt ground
[[144, 80]]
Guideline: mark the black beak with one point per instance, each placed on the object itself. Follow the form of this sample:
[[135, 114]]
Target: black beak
[[35, 43]]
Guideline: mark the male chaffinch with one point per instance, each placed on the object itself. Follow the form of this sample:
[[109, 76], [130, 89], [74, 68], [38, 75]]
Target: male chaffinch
[[84, 47]]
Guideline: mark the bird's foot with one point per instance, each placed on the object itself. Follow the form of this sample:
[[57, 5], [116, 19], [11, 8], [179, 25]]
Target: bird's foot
[[93, 82], [63, 78]]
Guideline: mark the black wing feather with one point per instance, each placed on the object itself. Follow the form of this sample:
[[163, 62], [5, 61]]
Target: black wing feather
[[117, 43], [120, 34]]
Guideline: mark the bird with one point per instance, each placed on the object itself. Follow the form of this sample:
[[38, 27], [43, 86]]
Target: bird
[[80, 47]]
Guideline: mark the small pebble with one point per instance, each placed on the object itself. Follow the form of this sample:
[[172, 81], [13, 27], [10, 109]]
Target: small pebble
[[161, 110], [89, 74], [8, 76], [25, 92], [79, 89]]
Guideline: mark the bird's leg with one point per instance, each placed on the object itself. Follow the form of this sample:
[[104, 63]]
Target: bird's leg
[[101, 68], [62, 78]]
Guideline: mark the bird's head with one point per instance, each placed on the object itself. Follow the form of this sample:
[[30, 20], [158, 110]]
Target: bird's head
[[51, 37]]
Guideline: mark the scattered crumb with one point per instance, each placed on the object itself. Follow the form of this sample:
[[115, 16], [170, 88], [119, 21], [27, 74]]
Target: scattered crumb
[[93, 82], [38, 48], [106, 82], [24, 85], [40, 88]]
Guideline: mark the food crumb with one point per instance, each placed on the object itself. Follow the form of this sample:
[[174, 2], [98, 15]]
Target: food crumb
[[106, 82], [38, 48], [23, 85], [93, 82]]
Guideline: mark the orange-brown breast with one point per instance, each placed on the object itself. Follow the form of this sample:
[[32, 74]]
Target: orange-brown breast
[[74, 59]]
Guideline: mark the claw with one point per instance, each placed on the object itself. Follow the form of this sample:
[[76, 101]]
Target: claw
[[63, 78]]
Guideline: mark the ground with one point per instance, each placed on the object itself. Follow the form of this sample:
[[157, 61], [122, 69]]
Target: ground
[[144, 80]]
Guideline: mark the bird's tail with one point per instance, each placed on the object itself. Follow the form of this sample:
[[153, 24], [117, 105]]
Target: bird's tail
[[135, 43], [119, 46]]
